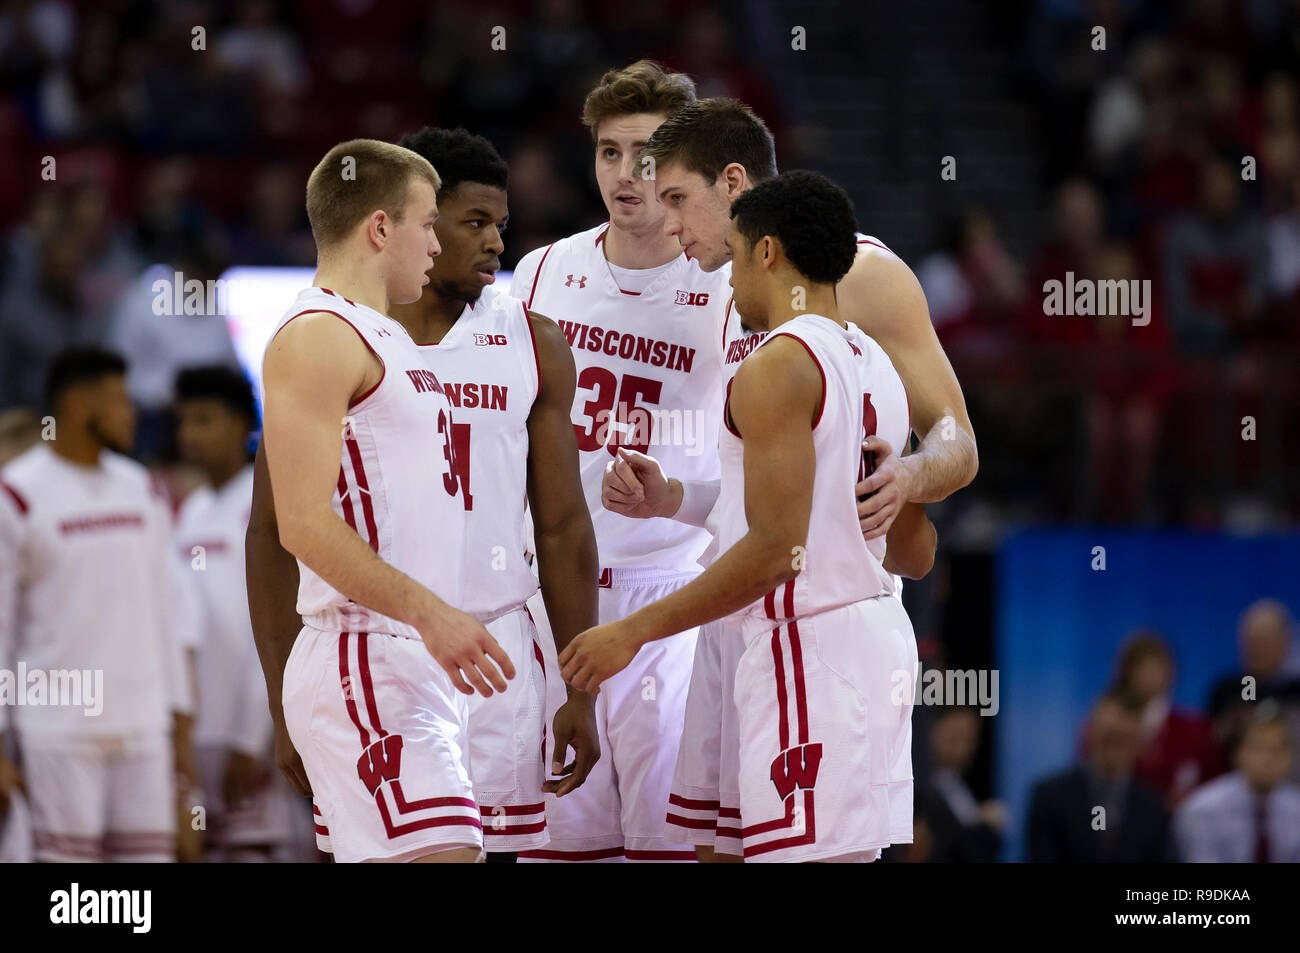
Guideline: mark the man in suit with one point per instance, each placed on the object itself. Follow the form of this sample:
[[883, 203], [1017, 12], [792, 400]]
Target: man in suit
[[1098, 812]]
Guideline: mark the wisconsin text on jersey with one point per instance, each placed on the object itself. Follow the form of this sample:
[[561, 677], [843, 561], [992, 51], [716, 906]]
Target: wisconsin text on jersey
[[630, 347], [487, 396]]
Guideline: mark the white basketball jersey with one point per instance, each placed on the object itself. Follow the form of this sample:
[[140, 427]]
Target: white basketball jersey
[[862, 395], [649, 378], [397, 484], [85, 596], [209, 538], [490, 371]]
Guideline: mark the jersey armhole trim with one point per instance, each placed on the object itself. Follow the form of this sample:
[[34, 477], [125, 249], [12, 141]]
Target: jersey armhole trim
[[726, 319], [16, 497], [532, 336], [538, 274], [383, 368], [821, 406], [726, 412]]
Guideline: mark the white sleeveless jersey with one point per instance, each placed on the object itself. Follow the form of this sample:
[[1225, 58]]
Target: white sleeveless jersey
[[649, 378], [862, 395], [396, 486], [490, 371]]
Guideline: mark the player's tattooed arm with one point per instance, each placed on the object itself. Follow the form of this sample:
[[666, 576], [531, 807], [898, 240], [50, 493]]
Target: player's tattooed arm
[[882, 296], [305, 410], [774, 401], [272, 576], [567, 560]]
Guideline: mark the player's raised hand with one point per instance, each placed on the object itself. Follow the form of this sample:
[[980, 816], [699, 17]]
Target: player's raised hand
[[634, 485], [885, 490], [597, 654], [574, 727], [466, 651]]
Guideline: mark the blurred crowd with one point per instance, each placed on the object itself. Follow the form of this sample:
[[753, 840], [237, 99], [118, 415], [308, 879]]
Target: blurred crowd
[[1151, 781], [1171, 154]]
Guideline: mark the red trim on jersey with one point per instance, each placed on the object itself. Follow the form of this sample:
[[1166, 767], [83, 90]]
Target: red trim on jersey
[[692, 804], [783, 721], [575, 855], [908, 397], [316, 810], [367, 684], [348, 513], [383, 368], [322, 830], [345, 682], [637, 293], [532, 336], [872, 241], [796, 662], [538, 274], [517, 829], [729, 812], [16, 497], [601, 236], [726, 411], [726, 319], [821, 406], [660, 855], [427, 803], [513, 810], [691, 823], [337, 295], [363, 488], [398, 830]]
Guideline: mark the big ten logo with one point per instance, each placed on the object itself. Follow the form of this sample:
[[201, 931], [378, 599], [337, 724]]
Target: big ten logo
[[649, 689], [698, 298], [199, 562], [498, 818], [486, 340], [380, 762]]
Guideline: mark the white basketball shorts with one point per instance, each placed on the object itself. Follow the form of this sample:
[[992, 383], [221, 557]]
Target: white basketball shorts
[[507, 739], [382, 735], [819, 731]]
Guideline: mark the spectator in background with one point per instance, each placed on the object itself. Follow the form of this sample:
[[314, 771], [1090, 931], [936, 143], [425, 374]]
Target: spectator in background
[[1176, 752], [960, 828], [42, 312], [1251, 815], [1264, 647], [20, 429], [1215, 267], [1100, 812], [253, 814]]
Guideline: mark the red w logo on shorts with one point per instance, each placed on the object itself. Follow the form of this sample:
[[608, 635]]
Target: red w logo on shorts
[[796, 768], [381, 762]]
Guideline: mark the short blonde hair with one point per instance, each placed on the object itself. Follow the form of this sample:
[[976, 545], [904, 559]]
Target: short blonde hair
[[357, 178]]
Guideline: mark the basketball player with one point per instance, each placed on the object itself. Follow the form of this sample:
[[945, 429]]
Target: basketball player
[[89, 608], [645, 326], [706, 155], [812, 597], [361, 460], [509, 377], [252, 814]]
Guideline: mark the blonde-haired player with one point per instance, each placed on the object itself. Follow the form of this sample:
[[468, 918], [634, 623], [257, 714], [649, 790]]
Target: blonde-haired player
[[357, 440]]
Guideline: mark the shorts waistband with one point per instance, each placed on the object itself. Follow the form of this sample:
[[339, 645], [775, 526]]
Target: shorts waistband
[[502, 613], [633, 577]]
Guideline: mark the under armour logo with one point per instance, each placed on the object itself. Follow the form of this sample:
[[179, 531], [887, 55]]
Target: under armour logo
[[582, 282], [383, 333]]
